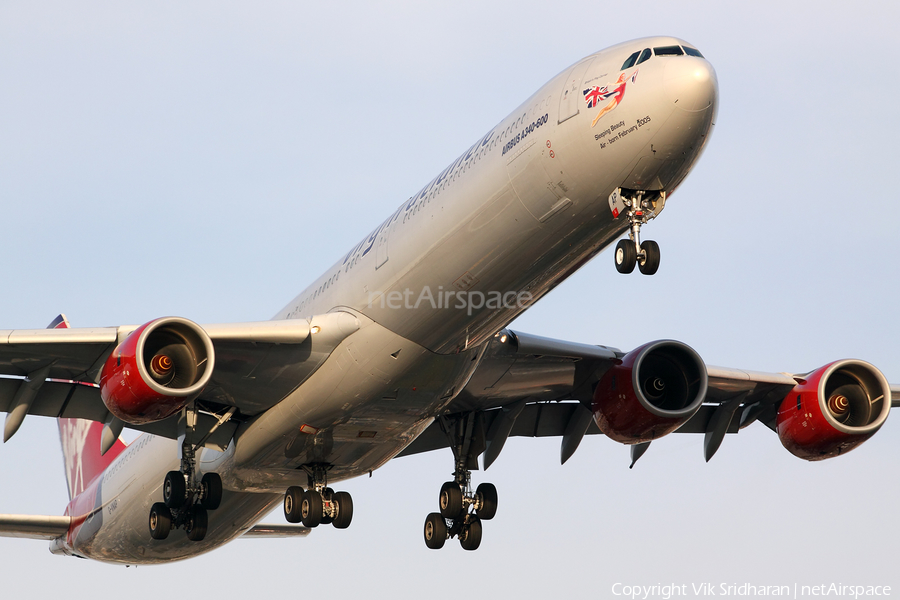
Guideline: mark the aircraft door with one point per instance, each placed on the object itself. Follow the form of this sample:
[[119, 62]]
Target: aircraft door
[[381, 246], [571, 97], [531, 182]]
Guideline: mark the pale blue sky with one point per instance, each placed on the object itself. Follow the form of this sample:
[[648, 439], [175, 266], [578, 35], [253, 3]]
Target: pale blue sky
[[245, 146]]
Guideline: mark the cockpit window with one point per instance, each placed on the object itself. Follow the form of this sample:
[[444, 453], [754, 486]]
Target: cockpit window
[[629, 62], [692, 51], [645, 56], [668, 51]]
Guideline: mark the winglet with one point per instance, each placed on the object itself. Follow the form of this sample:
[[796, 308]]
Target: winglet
[[60, 322]]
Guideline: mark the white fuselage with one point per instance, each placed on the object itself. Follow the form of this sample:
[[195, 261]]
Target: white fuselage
[[514, 215]]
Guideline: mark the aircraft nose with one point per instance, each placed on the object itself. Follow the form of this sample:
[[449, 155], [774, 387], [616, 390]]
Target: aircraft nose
[[690, 83]]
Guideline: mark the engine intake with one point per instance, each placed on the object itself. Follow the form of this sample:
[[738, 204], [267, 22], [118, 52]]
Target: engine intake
[[655, 390], [159, 368], [834, 410]]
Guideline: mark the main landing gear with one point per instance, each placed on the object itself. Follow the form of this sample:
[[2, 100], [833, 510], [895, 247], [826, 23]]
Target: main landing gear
[[632, 252], [186, 500], [461, 514], [318, 505], [461, 510]]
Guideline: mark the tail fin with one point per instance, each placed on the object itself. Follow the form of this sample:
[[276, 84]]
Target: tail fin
[[60, 322], [80, 441], [81, 450]]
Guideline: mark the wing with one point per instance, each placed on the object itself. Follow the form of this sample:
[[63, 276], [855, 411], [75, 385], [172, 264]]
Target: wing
[[54, 372], [531, 386]]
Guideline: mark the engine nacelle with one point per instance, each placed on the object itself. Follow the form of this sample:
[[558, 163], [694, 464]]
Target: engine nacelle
[[655, 390], [159, 368], [834, 410]]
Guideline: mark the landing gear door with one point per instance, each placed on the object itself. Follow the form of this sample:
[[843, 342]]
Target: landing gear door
[[616, 205], [571, 97]]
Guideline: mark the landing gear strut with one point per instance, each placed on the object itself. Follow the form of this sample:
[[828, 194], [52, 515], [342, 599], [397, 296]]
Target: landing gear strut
[[319, 504], [461, 509], [186, 501], [632, 252]]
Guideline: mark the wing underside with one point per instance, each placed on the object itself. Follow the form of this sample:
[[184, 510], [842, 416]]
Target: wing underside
[[54, 372], [535, 387]]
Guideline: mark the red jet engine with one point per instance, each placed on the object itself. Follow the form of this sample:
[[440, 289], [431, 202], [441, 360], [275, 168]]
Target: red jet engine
[[833, 410], [159, 368], [654, 391]]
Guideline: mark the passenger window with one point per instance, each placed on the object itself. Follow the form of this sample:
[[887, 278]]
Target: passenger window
[[668, 51], [692, 51], [629, 62], [645, 56]]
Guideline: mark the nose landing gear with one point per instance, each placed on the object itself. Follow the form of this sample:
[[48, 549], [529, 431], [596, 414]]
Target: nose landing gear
[[632, 252]]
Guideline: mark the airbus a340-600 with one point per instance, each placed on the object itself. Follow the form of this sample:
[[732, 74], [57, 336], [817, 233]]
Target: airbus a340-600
[[402, 346]]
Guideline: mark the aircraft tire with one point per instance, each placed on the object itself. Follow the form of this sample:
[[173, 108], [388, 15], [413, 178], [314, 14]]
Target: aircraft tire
[[450, 500], [311, 508], [470, 537], [344, 510], [293, 498], [625, 256], [650, 264], [160, 521], [435, 531], [212, 491], [197, 524], [488, 494], [174, 489]]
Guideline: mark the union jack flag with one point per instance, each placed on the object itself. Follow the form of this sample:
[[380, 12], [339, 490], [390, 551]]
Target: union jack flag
[[594, 95]]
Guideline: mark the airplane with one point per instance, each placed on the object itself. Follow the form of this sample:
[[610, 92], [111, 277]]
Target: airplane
[[403, 346]]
